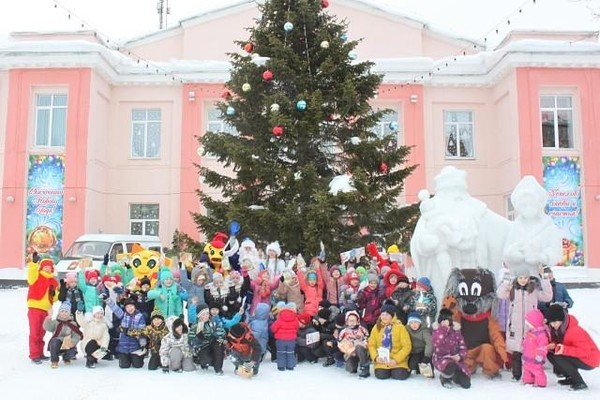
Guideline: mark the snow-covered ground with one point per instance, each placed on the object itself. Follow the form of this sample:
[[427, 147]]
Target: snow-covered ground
[[21, 379]]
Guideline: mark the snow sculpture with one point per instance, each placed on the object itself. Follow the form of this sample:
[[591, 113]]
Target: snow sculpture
[[533, 238], [455, 230]]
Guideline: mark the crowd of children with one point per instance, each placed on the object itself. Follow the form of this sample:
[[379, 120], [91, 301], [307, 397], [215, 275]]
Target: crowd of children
[[362, 316]]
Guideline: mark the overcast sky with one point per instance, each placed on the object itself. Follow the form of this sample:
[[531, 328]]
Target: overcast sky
[[122, 19]]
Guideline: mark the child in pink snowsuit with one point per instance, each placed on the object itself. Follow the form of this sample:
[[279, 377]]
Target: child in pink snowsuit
[[535, 344]]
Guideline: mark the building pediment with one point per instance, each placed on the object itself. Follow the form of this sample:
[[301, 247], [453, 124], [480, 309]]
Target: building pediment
[[384, 29]]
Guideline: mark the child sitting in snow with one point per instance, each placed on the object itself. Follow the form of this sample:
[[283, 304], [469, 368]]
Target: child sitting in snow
[[422, 349], [175, 352], [95, 336], [65, 336], [352, 341], [243, 349], [449, 351], [154, 334]]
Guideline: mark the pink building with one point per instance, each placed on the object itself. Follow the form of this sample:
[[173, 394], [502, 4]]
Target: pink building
[[98, 139]]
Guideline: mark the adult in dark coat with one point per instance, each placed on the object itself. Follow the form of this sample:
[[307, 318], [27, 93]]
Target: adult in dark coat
[[560, 295]]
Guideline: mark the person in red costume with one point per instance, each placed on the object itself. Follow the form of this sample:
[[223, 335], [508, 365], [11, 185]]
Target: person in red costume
[[571, 348], [42, 293]]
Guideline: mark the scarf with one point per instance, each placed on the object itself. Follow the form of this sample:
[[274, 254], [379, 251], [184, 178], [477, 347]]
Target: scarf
[[387, 337], [68, 323]]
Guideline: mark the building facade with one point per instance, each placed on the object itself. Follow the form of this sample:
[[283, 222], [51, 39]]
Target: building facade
[[95, 138]]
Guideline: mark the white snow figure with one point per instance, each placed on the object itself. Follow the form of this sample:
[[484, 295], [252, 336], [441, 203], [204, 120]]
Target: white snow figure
[[455, 230], [533, 238]]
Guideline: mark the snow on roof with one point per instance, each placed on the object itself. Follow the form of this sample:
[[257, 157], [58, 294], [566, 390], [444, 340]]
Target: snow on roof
[[471, 69]]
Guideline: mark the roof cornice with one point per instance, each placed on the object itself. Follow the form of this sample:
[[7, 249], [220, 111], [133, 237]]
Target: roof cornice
[[481, 70]]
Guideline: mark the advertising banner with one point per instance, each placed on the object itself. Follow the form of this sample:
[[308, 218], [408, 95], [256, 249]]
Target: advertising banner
[[44, 215], [562, 180]]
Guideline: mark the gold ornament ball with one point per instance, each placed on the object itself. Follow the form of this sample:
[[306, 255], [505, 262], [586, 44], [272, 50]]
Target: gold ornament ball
[[246, 87]]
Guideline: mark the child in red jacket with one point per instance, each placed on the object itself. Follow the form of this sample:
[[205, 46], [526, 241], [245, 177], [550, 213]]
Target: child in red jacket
[[285, 330]]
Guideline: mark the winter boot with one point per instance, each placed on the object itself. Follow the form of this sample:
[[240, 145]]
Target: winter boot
[[328, 362], [54, 364], [462, 379], [364, 371], [90, 362], [446, 382]]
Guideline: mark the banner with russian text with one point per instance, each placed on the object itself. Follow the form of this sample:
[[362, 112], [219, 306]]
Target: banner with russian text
[[562, 180], [45, 193]]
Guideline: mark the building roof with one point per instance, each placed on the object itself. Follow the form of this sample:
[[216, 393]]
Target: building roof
[[211, 9]]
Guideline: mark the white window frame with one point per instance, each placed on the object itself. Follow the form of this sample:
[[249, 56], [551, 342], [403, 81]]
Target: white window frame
[[145, 123], [144, 221], [382, 127], [51, 108], [555, 111], [216, 125], [458, 125]]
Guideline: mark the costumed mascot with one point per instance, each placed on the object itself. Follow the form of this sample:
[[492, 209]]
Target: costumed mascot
[[145, 264], [221, 247], [470, 294]]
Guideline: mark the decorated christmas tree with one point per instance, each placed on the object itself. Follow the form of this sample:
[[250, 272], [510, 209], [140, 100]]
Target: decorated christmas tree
[[305, 163]]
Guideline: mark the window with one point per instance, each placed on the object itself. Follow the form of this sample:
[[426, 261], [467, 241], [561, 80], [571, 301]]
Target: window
[[50, 120], [510, 209], [557, 121], [145, 133], [215, 122], [116, 250], [458, 134], [143, 219], [388, 126]]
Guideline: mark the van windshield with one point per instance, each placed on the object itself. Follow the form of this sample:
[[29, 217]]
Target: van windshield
[[95, 250]]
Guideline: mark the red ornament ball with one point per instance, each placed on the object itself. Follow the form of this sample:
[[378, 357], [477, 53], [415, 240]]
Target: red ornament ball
[[278, 130], [226, 95], [383, 168], [249, 47], [267, 76], [325, 3]]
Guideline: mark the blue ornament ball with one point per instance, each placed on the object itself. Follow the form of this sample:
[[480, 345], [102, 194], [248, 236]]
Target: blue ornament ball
[[353, 55], [230, 111], [301, 105], [288, 26], [393, 125], [344, 37]]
